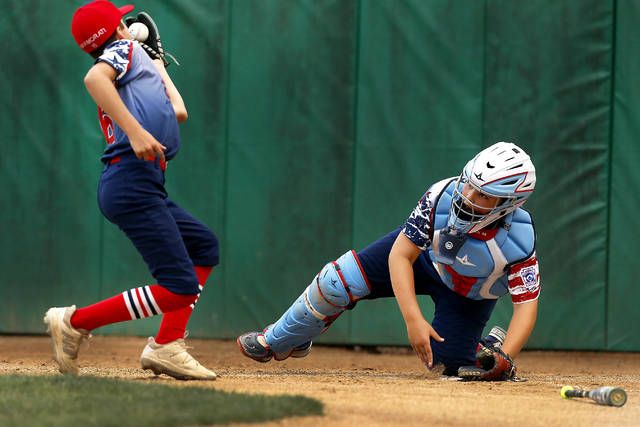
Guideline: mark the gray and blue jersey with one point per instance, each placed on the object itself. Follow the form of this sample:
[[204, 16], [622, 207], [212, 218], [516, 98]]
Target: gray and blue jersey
[[142, 90]]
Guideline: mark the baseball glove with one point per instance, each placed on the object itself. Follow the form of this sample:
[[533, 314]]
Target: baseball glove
[[492, 364], [128, 20], [153, 44]]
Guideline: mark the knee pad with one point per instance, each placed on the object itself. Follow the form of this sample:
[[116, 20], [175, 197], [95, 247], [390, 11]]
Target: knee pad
[[353, 276], [338, 286]]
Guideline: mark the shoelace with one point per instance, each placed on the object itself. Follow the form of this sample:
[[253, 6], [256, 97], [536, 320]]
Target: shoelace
[[182, 350]]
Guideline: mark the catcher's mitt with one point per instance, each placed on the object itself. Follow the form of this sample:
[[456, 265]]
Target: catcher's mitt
[[492, 364]]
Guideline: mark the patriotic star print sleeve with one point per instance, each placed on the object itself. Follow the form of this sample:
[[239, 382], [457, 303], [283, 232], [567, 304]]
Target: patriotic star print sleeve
[[418, 225], [118, 55]]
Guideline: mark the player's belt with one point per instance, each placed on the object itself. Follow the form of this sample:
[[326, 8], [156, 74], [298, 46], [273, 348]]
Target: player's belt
[[162, 162]]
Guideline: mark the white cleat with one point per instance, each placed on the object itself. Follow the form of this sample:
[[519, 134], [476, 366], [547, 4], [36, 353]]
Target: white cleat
[[174, 360], [65, 338]]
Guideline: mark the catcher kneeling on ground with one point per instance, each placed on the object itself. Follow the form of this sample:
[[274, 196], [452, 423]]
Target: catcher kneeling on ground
[[467, 243]]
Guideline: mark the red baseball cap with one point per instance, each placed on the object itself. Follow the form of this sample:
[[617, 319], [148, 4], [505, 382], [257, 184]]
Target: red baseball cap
[[95, 22]]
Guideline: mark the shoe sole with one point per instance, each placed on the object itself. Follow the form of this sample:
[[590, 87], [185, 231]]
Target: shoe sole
[[261, 360], [56, 335], [152, 365], [280, 357], [296, 354]]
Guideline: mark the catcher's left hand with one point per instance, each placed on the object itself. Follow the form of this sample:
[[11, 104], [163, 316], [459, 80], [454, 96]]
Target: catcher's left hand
[[492, 364]]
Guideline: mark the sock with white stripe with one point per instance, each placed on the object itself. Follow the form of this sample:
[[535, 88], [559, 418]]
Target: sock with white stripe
[[174, 324], [135, 303]]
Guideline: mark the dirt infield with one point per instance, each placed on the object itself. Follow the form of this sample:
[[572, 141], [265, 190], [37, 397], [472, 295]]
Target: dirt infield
[[376, 389]]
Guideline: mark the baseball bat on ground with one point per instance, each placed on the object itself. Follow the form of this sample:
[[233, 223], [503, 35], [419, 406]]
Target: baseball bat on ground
[[612, 396]]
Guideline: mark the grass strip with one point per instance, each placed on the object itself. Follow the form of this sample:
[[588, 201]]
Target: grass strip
[[89, 401]]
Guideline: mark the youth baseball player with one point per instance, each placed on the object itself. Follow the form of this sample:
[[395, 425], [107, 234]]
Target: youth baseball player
[[139, 110], [467, 243]]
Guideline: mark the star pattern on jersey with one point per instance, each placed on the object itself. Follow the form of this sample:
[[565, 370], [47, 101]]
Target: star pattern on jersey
[[117, 54], [418, 225]]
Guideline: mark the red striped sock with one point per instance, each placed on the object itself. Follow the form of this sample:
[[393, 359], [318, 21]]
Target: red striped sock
[[174, 324], [135, 303]]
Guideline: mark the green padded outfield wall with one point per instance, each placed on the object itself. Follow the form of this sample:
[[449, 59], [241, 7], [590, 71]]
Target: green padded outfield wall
[[623, 317], [558, 55], [314, 127]]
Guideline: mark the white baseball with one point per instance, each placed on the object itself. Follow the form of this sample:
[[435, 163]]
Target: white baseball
[[139, 31]]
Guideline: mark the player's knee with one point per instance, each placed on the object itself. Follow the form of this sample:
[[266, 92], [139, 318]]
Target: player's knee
[[331, 286], [182, 282], [204, 250], [189, 290], [353, 275], [208, 250], [338, 285]]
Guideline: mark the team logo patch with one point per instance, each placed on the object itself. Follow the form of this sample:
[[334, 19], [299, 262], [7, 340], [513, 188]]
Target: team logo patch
[[529, 277]]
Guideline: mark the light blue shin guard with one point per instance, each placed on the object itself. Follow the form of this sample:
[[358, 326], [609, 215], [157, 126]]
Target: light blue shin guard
[[338, 285]]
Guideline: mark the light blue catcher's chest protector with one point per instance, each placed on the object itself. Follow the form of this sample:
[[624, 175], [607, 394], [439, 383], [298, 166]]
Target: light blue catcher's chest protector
[[476, 268]]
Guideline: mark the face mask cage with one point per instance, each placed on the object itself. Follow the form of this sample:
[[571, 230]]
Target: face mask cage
[[465, 216]]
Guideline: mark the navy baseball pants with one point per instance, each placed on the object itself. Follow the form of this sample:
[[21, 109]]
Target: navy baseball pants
[[457, 319], [131, 194]]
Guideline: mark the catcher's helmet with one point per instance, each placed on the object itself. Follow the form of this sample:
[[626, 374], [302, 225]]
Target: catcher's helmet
[[502, 170]]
